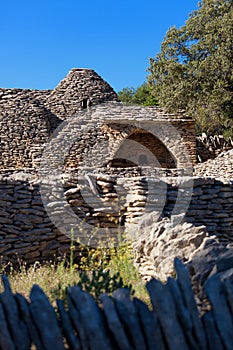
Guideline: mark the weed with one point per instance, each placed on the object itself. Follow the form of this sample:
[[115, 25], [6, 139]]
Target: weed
[[100, 270]]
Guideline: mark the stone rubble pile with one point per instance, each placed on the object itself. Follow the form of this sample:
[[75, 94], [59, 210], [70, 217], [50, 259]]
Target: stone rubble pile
[[221, 166], [29, 117]]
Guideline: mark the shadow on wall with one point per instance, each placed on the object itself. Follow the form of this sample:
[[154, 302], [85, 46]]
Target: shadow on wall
[[144, 149]]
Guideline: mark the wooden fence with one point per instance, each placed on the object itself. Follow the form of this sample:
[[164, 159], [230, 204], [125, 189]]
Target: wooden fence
[[120, 322]]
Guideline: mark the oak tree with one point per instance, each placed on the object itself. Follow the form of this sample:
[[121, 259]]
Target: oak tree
[[194, 70]]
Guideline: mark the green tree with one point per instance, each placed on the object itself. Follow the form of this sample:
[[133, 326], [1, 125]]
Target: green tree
[[141, 96], [126, 94], [194, 70]]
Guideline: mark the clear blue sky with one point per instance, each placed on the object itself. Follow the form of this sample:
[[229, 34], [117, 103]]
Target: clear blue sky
[[41, 40]]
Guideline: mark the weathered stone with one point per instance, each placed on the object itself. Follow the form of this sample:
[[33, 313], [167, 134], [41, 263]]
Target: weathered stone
[[184, 283], [212, 334], [220, 167], [67, 328], [6, 342], [91, 318], [42, 313], [214, 289], [163, 306], [130, 191], [159, 243], [114, 323], [128, 314], [17, 327], [150, 326]]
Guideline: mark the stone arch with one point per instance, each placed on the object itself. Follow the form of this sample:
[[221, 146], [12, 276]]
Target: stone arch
[[142, 148]]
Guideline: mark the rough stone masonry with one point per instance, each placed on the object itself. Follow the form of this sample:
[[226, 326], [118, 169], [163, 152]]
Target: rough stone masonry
[[29, 118]]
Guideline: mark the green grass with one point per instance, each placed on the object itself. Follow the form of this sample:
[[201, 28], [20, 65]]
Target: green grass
[[97, 271]]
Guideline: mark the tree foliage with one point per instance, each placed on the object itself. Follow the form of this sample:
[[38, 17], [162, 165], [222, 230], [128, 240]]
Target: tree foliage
[[141, 96], [194, 70]]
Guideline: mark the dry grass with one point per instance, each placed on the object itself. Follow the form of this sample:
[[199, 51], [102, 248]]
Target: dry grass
[[54, 278]]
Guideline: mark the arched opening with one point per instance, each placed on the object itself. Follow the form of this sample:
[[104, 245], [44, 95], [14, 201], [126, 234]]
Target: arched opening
[[144, 149]]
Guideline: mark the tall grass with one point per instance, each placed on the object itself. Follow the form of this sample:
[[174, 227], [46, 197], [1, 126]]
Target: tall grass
[[93, 271]]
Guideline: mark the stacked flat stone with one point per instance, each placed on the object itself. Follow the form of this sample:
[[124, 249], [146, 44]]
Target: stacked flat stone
[[107, 201], [83, 159], [158, 244], [29, 117], [120, 321], [78, 87], [221, 166]]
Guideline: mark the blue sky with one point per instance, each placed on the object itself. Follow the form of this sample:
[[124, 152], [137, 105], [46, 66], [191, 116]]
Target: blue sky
[[41, 40]]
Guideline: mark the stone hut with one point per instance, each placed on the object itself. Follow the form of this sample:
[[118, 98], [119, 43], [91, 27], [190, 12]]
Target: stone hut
[[136, 153], [81, 124], [29, 117]]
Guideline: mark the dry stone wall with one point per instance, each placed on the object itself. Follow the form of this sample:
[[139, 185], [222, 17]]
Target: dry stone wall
[[80, 89], [28, 117], [104, 137], [102, 134], [21, 133], [119, 321], [26, 231], [221, 166]]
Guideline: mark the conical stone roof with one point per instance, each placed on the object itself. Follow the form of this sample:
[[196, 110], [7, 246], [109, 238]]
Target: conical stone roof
[[80, 88]]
